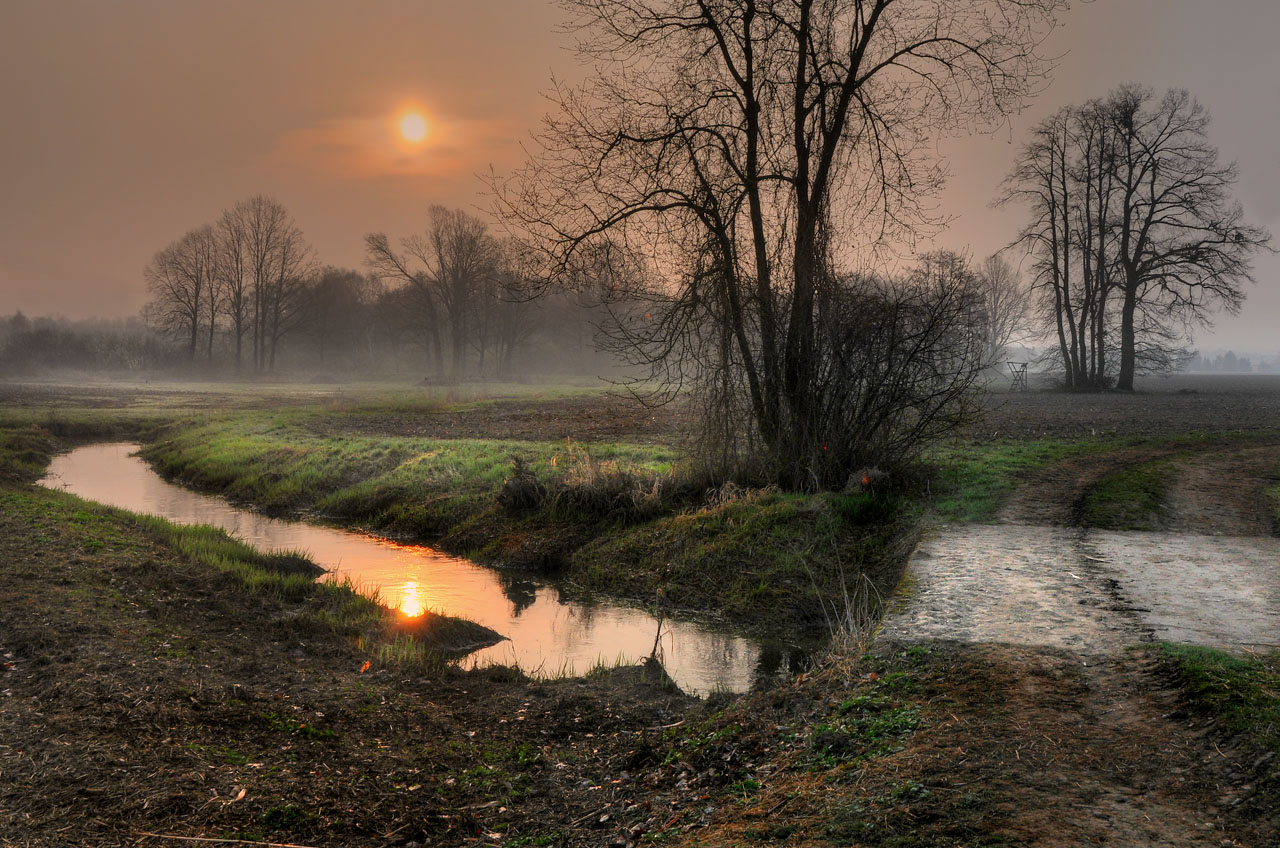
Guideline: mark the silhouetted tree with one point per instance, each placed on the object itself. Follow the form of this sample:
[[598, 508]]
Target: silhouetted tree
[[749, 148], [335, 311], [1006, 306], [451, 267], [1134, 231], [181, 280]]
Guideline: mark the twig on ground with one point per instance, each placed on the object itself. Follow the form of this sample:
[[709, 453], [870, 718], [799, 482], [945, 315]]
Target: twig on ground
[[225, 841]]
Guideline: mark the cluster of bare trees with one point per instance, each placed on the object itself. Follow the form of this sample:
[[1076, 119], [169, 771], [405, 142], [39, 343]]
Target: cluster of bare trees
[[467, 289], [454, 299], [1134, 234], [755, 152], [244, 276]]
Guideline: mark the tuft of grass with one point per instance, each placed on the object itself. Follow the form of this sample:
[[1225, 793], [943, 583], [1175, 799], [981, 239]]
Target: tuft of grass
[[25, 452], [281, 723]]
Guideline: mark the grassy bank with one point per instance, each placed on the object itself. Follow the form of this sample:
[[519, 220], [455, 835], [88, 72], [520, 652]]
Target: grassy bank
[[627, 520]]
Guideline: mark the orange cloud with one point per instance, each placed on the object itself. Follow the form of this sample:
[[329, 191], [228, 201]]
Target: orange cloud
[[371, 147]]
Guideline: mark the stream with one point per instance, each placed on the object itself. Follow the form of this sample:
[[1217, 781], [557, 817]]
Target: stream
[[546, 634]]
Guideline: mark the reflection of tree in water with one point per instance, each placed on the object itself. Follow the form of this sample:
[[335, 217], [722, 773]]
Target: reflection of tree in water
[[730, 655], [775, 661], [521, 593], [582, 614]]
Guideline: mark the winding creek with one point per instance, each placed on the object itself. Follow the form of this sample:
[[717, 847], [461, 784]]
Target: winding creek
[[545, 633]]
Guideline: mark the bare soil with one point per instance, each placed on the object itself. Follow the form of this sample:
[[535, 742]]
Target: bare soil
[[1023, 747], [1172, 406], [589, 418]]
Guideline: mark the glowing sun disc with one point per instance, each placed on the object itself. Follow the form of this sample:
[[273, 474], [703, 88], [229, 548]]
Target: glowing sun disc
[[413, 127]]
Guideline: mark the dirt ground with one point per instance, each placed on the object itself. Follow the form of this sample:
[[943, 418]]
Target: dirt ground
[[144, 699], [1167, 406], [1170, 406], [589, 418], [1110, 757]]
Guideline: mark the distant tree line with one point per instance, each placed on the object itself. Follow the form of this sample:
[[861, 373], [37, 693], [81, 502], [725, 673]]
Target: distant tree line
[[37, 345], [248, 291], [1227, 363], [1134, 235]]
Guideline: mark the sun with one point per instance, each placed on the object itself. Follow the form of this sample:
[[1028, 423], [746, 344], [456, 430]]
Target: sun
[[413, 127]]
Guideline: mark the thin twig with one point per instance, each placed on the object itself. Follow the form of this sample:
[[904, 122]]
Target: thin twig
[[226, 841]]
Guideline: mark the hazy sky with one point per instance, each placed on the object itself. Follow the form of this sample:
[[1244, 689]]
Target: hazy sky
[[125, 123]]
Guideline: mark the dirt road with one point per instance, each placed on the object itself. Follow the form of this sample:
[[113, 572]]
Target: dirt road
[[1103, 754]]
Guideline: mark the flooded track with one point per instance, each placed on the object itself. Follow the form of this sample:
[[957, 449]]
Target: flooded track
[[1088, 591]]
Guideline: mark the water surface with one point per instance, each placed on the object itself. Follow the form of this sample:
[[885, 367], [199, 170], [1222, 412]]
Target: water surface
[[545, 633]]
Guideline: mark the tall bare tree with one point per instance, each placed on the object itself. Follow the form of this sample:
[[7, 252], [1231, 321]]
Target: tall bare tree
[[181, 280], [1134, 232], [1006, 305], [450, 266], [234, 279], [752, 147], [277, 260]]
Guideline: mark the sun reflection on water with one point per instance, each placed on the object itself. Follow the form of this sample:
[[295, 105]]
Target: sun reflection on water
[[410, 599]]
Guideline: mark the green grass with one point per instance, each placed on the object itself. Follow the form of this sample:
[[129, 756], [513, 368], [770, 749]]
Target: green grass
[[972, 481], [1131, 498], [275, 460], [25, 453], [1242, 694], [792, 555]]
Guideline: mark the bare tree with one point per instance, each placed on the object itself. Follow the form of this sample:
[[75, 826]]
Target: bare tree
[[336, 312], [1134, 232], [417, 293], [181, 279], [1006, 306], [509, 316], [905, 354], [234, 279], [751, 147], [450, 266], [1182, 243], [277, 260]]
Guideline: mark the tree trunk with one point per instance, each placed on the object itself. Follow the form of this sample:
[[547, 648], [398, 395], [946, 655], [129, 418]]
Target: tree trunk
[[1128, 352]]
